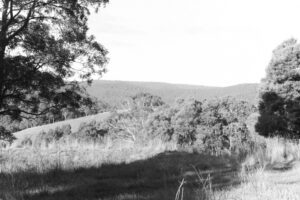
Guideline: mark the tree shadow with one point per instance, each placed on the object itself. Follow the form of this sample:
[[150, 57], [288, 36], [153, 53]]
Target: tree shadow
[[154, 178]]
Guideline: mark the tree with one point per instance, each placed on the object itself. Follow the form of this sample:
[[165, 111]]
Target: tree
[[279, 105], [133, 123], [44, 51], [90, 108], [223, 124], [186, 119], [143, 101], [5, 135]]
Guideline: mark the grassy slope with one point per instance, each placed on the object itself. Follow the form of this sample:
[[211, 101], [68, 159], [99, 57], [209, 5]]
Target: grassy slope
[[75, 123], [114, 92]]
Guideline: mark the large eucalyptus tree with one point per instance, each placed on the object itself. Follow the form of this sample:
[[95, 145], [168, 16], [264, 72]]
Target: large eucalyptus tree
[[44, 51], [279, 105]]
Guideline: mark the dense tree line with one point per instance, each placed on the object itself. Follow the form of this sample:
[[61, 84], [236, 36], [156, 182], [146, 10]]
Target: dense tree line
[[212, 126]]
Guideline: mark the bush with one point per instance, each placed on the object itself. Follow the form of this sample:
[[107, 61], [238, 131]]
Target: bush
[[89, 132], [52, 136], [159, 125], [177, 123], [26, 142], [213, 126], [6, 135]]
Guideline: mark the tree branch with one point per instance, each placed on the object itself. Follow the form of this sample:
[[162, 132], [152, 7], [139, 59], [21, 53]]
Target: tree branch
[[17, 32]]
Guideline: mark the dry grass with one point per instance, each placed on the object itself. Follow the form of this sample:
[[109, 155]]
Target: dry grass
[[26, 172], [76, 155], [121, 169], [272, 153], [116, 170], [274, 174], [266, 185]]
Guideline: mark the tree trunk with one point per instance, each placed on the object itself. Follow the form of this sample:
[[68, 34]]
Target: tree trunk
[[3, 44]]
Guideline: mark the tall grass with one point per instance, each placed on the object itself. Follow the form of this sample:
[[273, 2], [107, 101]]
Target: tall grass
[[36, 168], [271, 172], [264, 185], [74, 155], [270, 152], [258, 182]]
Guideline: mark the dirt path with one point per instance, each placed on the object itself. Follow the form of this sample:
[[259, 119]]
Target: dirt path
[[276, 183], [289, 178]]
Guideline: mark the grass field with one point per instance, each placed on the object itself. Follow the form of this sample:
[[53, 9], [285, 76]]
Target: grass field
[[123, 169], [127, 171]]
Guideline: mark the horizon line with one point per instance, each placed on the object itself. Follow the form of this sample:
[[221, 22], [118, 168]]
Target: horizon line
[[172, 83]]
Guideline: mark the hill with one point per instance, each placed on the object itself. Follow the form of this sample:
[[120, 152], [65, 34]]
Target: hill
[[114, 92], [74, 123]]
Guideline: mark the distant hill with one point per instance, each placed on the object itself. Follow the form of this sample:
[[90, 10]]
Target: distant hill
[[113, 92]]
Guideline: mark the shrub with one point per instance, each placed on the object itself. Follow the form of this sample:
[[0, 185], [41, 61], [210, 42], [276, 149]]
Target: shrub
[[26, 142], [211, 126], [143, 101], [52, 136], [159, 125], [6, 135], [89, 132], [178, 123]]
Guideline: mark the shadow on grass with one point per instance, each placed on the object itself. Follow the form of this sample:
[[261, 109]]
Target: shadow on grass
[[154, 178], [281, 166]]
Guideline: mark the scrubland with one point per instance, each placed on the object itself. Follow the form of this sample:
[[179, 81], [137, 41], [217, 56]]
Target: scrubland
[[128, 170], [157, 153]]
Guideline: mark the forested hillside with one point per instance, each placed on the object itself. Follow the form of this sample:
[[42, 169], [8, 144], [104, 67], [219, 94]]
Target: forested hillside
[[114, 92]]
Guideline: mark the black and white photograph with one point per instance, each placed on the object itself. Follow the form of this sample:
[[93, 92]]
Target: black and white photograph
[[149, 100]]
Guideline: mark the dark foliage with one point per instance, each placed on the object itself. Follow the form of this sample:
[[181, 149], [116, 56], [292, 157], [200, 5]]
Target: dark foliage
[[89, 132], [40, 41], [215, 127], [209, 126], [279, 105], [45, 138], [6, 135], [54, 115]]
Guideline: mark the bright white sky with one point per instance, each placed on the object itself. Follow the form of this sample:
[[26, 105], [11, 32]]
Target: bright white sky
[[202, 42]]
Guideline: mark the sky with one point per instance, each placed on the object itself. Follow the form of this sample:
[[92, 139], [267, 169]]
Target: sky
[[199, 42]]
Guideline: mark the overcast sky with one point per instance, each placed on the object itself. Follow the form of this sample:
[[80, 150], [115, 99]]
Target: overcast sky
[[202, 42]]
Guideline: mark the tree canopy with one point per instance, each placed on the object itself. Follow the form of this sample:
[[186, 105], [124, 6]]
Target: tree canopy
[[279, 105], [44, 50]]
